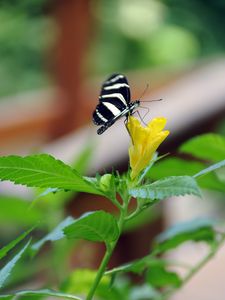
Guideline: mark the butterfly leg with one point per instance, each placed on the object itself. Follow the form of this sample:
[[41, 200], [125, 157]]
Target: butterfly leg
[[145, 113], [141, 118], [125, 123], [136, 111]]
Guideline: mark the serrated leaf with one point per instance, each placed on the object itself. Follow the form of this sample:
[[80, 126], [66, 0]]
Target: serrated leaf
[[55, 235], [158, 276], [194, 230], [210, 168], [44, 292], [80, 165], [177, 167], [207, 146], [97, 226], [43, 171], [53, 197], [12, 244], [167, 187], [7, 269]]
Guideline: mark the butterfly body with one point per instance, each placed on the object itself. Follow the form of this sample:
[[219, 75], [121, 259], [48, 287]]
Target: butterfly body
[[114, 102]]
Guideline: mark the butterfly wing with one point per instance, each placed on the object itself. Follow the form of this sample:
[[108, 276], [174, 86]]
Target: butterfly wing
[[113, 100], [116, 84], [102, 115]]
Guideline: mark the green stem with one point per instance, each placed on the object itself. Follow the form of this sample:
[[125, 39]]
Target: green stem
[[109, 250], [204, 260], [195, 269], [100, 273], [137, 211], [116, 203]]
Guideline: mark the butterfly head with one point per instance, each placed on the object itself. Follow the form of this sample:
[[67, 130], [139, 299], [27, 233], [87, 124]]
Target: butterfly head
[[133, 105]]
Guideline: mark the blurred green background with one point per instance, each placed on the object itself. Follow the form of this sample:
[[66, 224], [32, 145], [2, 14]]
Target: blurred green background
[[24, 37], [128, 35]]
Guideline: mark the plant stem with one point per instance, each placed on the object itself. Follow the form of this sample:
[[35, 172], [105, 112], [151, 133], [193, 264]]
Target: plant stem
[[109, 250], [100, 273], [195, 269], [201, 264]]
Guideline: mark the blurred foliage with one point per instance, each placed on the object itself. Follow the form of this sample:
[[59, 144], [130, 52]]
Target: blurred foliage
[[23, 258], [147, 33], [220, 128], [45, 209], [23, 39], [128, 35], [192, 157], [203, 18]]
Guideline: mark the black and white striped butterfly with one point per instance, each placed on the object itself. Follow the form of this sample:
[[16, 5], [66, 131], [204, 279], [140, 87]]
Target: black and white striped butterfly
[[114, 102]]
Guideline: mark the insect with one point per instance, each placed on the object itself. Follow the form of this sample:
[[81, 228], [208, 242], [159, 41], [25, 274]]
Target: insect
[[114, 102]]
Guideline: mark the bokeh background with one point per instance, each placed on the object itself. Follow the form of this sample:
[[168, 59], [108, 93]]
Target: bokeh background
[[121, 35], [54, 56]]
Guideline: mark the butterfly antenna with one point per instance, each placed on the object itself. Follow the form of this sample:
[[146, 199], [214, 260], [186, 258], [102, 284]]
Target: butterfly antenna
[[153, 100], [142, 118], [145, 90]]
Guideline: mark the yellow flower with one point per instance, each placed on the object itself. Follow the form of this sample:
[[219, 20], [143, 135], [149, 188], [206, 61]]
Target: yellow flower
[[145, 141]]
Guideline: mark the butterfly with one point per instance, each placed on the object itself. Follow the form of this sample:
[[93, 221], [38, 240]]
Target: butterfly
[[114, 102]]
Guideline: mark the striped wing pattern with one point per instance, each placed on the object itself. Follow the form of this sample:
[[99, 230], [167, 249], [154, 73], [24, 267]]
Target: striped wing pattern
[[113, 100]]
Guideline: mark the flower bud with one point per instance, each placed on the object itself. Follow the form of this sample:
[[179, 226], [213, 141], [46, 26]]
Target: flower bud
[[105, 182]]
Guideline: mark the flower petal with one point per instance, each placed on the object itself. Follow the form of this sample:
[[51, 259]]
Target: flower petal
[[145, 141]]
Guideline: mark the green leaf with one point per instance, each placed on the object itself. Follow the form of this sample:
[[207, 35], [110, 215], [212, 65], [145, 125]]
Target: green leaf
[[207, 146], [174, 166], [211, 168], [43, 171], [15, 211], [137, 266], [82, 162], [80, 281], [150, 165], [7, 269], [53, 197], [49, 191], [167, 187], [177, 167], [12, 244], [97, 226], [143, 292], [158, 276], [55, 235], [194, 230], [60, 195], [44, 292]]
